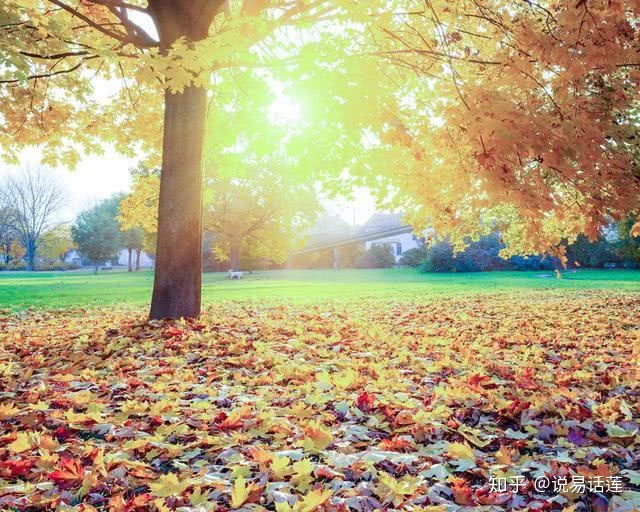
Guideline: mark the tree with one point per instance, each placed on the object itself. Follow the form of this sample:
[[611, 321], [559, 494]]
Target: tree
[[258, 216], [57, 243], [133, 240], [377, 256], [628, 244], [7, 233], [525, 107], [34, 200], [52, 39], [138, 215], [96, 232]]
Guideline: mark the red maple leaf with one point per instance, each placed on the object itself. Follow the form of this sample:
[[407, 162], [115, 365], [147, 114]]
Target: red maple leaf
[[14, 468], [462, 493], [366, 401], [70, 473], [395, 444]]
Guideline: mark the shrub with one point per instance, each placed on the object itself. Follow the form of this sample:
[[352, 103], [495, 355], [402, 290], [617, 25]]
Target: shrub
[[378, 256], [439, 258], [57, 265], [414, 257], [481, 256], [17, 265]]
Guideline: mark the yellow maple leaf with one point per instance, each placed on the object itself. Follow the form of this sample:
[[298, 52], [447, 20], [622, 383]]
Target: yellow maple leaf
[[8, 411], [314, 499], [316, 437], [21, 444], [240, 492], [198, 498], [279, 466], [460, 451], [168, 485]]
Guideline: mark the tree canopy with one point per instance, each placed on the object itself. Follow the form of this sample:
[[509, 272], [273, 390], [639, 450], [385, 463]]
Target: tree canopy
[[96, 232]]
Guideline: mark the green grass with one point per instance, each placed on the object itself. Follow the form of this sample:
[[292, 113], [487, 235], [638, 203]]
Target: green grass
[[19, 290]]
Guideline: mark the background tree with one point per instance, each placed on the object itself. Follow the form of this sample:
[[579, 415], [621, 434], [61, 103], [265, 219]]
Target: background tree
[[133, 240], [377, 256], [7, 233], [138, 215], [34, 200], [257, 217], [96, 232], [57, 243], [628, 242]]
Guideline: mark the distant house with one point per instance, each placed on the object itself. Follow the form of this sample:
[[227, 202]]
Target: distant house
[[400, 242], [146, 261], [120, 260], [333, 233]]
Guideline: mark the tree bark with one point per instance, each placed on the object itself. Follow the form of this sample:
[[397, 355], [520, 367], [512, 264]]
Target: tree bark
[[138, 251], [234, 254], [178, 275], [177, 282], [31, 255], [130, 269]]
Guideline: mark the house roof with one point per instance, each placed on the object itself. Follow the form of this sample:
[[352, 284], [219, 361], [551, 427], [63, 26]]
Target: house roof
[[380, 221]]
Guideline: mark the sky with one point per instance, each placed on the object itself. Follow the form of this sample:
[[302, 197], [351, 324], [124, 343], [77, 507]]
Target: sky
[[99, 177], [96, 178]]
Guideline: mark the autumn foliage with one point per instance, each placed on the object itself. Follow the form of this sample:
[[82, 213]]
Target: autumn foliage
[[332, 408]]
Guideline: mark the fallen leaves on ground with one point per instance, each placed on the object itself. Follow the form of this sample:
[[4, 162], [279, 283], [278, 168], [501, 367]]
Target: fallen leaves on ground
[[300, 408]]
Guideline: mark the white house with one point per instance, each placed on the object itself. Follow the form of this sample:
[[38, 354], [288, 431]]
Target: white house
[[121, 260], [146, 261], [400, 242]]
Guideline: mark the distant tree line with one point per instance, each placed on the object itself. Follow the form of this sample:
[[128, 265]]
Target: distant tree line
[[31, 233], [33, 237], [99, 236], [618, 251]]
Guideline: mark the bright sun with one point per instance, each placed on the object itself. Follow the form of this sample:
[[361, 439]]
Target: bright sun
[[284, 110]]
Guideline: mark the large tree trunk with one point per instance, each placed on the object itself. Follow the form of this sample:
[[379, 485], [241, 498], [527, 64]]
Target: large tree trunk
[[176, 287], [138, 251], [234, 254], [130, 268]]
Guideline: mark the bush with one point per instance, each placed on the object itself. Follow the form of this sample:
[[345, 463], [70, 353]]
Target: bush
[[57, 265], [533, 262], [378, 256], [414, 257], [16, 265], [592, 254], [481, 256], [439, 258]]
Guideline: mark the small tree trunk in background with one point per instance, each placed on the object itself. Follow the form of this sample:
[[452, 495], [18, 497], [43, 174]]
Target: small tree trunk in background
[[31, 255], [138, 251], [95, 270], [130, 269], [234, 254]]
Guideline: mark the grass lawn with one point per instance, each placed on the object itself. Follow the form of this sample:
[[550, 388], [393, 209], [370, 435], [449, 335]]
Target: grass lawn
[[19, 290]]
